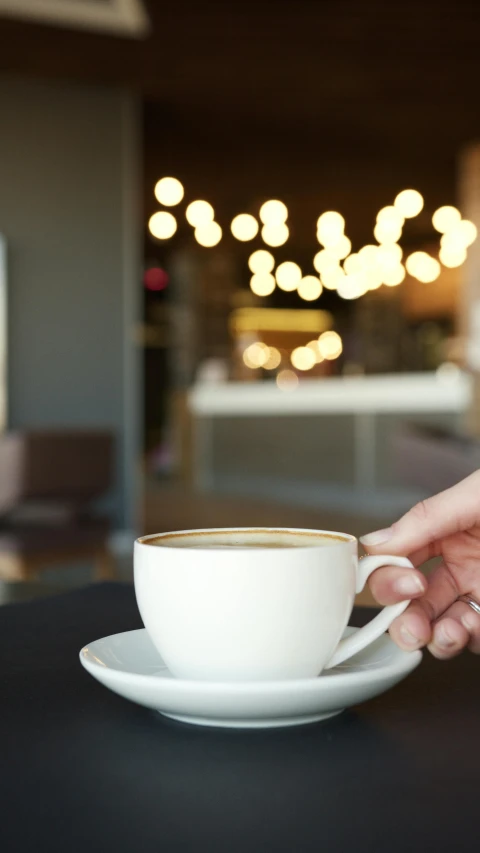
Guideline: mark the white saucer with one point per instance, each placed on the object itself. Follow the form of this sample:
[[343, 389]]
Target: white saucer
[[130, 665]]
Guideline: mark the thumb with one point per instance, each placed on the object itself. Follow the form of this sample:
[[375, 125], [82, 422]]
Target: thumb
[[449, 512]]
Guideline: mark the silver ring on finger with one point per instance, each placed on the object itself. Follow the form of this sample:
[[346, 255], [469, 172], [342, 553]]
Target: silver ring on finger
[[468, 599]]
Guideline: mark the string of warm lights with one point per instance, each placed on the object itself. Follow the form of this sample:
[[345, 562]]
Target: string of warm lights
[[350, 274], [376, 265]]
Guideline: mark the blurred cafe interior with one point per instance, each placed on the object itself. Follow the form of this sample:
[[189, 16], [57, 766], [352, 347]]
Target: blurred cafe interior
[[239, 270]]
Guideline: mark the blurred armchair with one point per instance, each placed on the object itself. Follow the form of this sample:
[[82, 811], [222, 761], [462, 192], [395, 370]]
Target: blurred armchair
[[48, 481]]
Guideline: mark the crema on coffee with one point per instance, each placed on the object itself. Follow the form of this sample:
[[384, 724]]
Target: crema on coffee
[[248, 538]]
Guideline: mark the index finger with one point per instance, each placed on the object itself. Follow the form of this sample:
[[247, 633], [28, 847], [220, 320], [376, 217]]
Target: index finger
[[449, 512]]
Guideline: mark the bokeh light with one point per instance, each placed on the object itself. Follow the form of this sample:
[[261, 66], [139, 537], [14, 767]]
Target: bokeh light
[[274, 359], [368, 255], [262, 284], [445, 218], [448, 239], [208, 235], [288, 276], [310, 288], [330, 228], [332, 277], [162, 225], [315, 347], [423, 267], [155, 279], [325, 260], [448, 372], [387, 231], [409, 203], [369, 270], [353, 263], [199, 212], [287, 380], [256, 355], [275, 234], [464, 233], [169, 191], [341, 248], [390, 214], [388, 256], [330, 345], [394, 275], [244, 227], [374, 278], [273, 212], [452, 256], [303, 358], [332, 220], [353, 285], [261, 261]]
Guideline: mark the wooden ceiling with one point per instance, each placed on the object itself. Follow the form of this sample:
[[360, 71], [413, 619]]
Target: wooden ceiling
[[296, 93], [403, 73]]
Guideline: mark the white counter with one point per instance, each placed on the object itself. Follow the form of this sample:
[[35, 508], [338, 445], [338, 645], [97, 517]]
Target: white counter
[[410, 392], [363, 397]]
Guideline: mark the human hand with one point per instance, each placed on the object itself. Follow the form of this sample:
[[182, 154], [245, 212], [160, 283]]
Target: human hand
[[447, 526]]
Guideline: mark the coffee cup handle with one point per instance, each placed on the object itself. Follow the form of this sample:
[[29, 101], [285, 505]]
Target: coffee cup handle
[[381, 622]]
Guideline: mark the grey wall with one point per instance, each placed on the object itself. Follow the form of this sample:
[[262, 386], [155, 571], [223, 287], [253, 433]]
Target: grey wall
[[69, 182]]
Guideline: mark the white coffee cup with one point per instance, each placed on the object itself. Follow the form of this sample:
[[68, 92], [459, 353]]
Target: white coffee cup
[[255, 604]]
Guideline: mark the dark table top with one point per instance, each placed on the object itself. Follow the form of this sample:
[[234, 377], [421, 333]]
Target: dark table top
[[84, 770]]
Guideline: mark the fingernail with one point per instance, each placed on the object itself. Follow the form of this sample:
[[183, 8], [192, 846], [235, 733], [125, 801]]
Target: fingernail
[[408, 638], [377, 538], [469, 622], [408, 585], [443, 639]]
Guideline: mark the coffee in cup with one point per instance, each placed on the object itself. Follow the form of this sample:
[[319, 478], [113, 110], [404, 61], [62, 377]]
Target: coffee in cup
[[254, 604]]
